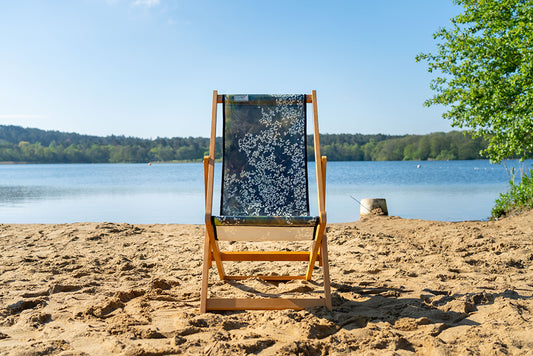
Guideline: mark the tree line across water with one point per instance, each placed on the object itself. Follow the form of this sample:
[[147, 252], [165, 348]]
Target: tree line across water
[[29, 145]]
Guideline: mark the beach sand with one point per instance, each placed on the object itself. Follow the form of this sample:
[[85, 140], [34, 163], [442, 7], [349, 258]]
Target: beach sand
[[399, 287]]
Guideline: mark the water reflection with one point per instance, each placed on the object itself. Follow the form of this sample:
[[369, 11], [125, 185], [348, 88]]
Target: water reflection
[[20, 194]]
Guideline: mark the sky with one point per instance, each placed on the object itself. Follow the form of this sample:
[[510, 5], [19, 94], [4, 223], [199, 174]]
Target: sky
[[147, 68]]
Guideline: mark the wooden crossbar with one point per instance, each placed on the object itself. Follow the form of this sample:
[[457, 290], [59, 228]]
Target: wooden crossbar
[[265, 256], [308, 99], [263, 277], [263, 304]]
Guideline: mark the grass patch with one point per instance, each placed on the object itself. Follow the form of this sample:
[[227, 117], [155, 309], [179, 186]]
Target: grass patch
[[519, 198]]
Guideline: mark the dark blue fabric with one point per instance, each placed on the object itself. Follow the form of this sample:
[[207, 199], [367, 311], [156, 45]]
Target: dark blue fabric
[[264, 156]]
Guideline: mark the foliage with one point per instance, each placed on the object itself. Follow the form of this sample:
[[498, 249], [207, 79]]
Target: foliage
[[518, 198], [436, 146], [37, 146], [19, 144], [486, 62]]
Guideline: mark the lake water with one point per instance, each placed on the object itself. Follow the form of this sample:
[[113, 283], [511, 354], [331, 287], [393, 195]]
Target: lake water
[[173, 193]]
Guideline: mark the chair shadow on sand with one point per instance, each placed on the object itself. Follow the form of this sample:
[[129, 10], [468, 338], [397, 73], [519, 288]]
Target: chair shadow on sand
[[438, 310], [434, 310]]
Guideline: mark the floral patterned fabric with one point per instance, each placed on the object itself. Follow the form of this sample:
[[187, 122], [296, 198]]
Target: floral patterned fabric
[[264, 157]]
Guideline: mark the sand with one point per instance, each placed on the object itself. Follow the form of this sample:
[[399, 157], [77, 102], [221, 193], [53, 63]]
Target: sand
[[399, 287]]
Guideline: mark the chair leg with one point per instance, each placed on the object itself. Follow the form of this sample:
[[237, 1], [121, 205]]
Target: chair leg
[[205, 274], [325, 271], [317, 245], [251, 304]]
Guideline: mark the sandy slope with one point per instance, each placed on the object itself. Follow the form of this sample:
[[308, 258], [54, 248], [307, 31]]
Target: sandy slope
[[399, 287]]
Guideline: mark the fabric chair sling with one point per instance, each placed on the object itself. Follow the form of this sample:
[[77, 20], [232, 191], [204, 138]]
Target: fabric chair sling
[[264, 193]]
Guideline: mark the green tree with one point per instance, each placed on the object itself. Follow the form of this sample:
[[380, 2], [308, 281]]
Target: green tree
[[486, 63], [73, 154], [424, 148], [368, 150], [97, 153], [162, 153], [409, 152]]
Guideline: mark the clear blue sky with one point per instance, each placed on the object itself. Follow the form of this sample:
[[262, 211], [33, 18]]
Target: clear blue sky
[[147, 68]]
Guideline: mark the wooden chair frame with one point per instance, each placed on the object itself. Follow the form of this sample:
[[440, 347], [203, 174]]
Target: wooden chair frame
[[318, 251]]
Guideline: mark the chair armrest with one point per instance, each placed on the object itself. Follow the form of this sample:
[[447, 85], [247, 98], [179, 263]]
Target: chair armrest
[[208, 186]]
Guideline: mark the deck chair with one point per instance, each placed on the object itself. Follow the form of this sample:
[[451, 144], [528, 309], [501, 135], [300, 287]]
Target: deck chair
[[264, 194]]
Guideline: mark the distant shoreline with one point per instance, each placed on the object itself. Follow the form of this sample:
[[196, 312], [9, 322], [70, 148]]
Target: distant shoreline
[[7, 163], [18, 144]]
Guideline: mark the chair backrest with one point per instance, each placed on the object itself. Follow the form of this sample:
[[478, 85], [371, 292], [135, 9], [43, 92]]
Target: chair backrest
[[264, 169]]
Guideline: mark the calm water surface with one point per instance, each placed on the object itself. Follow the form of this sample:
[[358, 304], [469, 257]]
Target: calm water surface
[[173, 193]]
